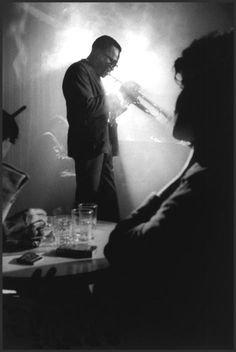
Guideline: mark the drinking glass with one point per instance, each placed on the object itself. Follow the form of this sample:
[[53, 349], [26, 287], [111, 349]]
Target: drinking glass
[[82, 224], [62, 229], [94, 208]]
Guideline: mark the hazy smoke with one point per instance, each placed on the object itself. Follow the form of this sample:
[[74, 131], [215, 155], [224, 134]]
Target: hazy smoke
[[42, 39]]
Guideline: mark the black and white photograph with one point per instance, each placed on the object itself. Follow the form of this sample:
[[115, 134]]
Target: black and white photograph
[[118, 175]]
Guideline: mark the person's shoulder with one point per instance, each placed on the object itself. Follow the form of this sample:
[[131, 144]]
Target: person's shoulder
[[78, 66], [196, 180], [192, 184], [74, 69], [195, 171]]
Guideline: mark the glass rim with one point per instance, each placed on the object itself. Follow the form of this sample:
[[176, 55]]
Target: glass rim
[[77, 210], [87, 205]]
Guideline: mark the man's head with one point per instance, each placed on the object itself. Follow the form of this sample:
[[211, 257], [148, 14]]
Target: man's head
[[104, 55], [204, 108]]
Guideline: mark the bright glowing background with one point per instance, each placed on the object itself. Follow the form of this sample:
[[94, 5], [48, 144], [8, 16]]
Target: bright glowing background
[[70, 44], [138, 62]]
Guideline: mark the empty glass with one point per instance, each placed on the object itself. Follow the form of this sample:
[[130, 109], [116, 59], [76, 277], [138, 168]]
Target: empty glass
[[93, 207], [82, 224]]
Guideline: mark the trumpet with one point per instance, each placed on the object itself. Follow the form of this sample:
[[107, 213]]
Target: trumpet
[[131, 91]]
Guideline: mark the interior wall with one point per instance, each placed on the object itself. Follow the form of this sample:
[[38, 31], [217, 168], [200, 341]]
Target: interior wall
[[40, 40]]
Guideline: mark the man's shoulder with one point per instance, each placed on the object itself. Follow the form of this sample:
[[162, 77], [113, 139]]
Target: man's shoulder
[[195, 179], [78, 66], [195, 171]]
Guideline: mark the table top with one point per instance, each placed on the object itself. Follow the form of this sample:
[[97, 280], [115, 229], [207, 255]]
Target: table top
[[62, 266]]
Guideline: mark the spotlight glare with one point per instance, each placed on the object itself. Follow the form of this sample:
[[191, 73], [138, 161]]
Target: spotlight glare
[[74, 44]]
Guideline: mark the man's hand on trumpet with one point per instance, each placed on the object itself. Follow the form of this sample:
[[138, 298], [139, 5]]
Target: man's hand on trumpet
[[116, 106], [130, 91], [119, 102]]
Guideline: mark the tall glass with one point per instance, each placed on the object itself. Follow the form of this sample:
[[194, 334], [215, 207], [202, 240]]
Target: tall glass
[[82, 225], [62, 229], [94, 207]]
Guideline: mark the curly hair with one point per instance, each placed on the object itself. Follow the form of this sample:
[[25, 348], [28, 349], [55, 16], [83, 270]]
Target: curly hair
[[206, 102], [211, 56]]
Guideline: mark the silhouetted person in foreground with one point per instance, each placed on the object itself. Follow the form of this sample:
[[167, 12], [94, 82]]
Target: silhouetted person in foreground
[[176, 249], [89, 138]]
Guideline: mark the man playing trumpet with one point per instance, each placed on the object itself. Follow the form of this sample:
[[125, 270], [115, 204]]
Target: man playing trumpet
[[89, 133]]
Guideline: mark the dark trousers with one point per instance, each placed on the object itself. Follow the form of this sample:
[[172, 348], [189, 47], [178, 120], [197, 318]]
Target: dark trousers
[[95, 183]]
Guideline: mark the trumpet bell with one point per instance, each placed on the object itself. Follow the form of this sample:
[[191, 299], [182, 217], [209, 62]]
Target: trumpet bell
[[132, 94]]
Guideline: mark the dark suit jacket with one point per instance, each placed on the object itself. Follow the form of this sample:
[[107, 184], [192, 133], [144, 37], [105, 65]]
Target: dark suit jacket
[[87, 111], [181, 242], [176, 252]]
